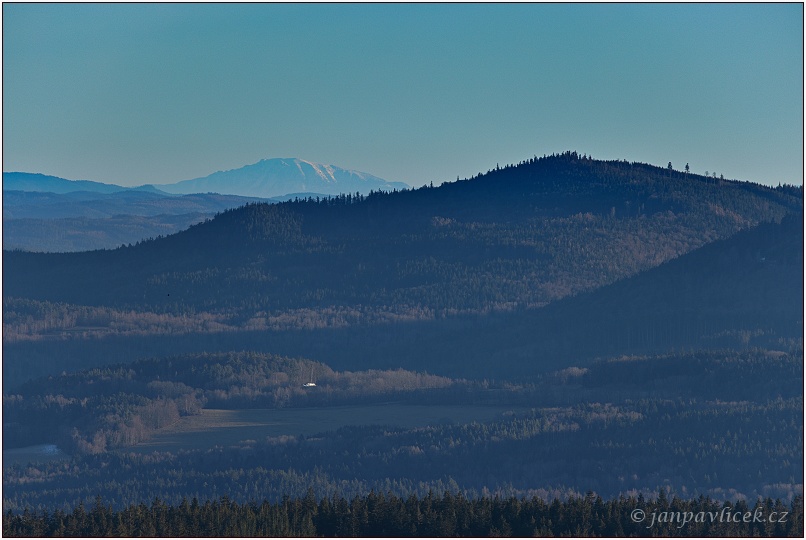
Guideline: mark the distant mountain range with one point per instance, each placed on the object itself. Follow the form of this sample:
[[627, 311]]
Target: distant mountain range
[[23, 181], [87, 220], [48, 213], [265, 179], [97, 205]]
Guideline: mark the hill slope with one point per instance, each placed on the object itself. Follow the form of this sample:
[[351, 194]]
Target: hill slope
[[484, 277], [520, 236], [745, 291]]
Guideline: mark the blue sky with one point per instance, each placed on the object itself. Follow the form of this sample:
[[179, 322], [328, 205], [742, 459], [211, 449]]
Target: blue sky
[[154, 93]]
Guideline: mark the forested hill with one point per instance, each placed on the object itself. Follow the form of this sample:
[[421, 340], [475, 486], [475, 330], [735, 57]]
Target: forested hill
[[524, 235]]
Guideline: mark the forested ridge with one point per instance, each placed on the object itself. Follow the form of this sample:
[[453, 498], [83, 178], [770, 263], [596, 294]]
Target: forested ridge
[[743, 291], [356, 280], [523, 235]]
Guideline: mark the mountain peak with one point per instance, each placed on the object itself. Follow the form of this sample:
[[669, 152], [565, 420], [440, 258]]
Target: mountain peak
[[276, 177]]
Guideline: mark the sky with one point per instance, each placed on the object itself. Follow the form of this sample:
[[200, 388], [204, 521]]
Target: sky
[[157, 93]]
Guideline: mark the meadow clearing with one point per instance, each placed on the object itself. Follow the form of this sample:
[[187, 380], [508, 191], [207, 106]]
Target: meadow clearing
[[221, 427]]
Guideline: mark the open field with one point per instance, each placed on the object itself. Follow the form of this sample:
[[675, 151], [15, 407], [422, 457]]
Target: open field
[[218, 427]]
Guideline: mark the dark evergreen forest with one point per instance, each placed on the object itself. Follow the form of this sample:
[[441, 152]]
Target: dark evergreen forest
[[446, 515]]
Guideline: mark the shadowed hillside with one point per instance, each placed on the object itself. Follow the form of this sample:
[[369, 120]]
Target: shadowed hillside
[[521, 236], [449, 279]]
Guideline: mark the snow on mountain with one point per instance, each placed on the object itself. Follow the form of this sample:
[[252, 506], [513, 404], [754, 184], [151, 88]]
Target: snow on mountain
[[280, 176]]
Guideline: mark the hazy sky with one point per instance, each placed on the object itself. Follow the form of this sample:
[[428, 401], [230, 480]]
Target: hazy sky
[[154, 93]]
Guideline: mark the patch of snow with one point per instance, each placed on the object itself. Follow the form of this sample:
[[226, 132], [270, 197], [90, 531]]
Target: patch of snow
[[329, 169], [318, 170]]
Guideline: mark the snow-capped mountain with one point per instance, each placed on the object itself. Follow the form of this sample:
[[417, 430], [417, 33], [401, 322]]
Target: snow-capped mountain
[[280, 176]]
